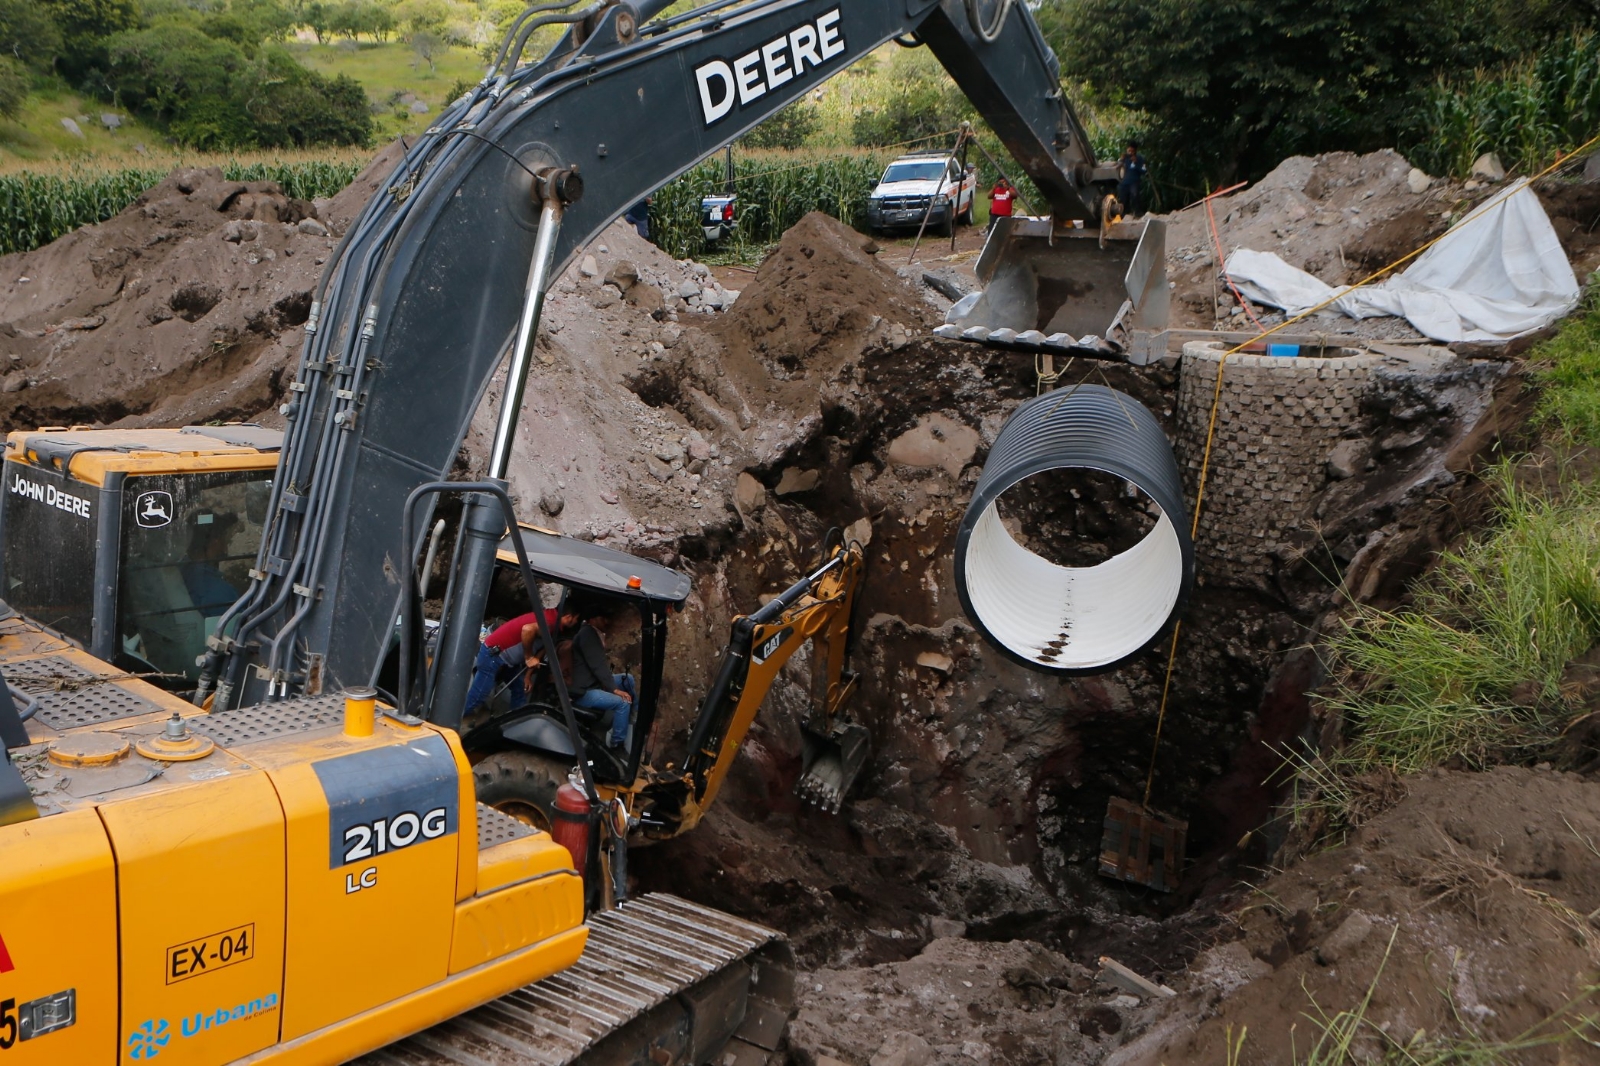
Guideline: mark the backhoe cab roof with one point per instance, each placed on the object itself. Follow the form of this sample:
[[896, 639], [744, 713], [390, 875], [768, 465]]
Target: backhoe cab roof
[[578, 564], [236, 446]]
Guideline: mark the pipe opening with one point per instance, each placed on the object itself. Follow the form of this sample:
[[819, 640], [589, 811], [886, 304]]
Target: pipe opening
[[1072, 617], [1074, 554], [1075, 516]]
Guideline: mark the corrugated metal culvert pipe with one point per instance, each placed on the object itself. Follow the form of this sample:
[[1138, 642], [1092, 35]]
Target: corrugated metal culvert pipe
[[1076, 619]]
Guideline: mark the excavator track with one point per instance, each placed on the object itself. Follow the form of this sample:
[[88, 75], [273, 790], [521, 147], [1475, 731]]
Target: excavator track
[[662, 982]]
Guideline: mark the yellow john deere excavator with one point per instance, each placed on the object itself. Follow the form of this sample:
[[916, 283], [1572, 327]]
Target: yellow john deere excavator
[[284, 869]]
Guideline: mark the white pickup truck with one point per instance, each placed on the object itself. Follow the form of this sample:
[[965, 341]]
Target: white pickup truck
[[910, 182]]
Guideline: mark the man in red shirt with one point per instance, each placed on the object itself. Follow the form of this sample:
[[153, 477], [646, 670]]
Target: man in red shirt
[[1000, 198], [512, 648]]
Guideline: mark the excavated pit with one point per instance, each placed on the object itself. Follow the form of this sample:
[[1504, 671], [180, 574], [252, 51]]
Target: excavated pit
[[726, 434]]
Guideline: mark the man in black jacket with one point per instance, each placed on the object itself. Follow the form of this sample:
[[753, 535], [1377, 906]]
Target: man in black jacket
[[595, 687]]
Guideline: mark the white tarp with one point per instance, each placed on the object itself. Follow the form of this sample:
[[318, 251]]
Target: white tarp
[[1498, 273]]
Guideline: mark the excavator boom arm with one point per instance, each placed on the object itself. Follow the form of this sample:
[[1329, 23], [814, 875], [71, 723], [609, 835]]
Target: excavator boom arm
[[415, 310]]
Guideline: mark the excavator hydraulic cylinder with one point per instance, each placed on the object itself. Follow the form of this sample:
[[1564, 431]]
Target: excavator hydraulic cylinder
[[483, 524]]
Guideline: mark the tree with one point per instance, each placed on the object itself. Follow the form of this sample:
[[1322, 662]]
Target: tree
[[424, 16], [318, 15], [789, 128], [1234, 86], [380, 21], [211, 95], [290, 106], [175, 73], [273, 20], [426, 45], [920, 101], [85, 26], [27, 34], [345, 20], [13, 86]]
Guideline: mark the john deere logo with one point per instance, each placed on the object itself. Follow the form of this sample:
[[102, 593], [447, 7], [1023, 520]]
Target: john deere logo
[[152, 510], [147, 1040]]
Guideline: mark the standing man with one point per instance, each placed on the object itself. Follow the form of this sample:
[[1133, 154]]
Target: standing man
[[511, 649], [1131, 170], [594, 686], [1000, 198], [638, 217]]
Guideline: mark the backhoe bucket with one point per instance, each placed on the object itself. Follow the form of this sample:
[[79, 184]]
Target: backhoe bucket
[[830, 763], [1066, 291]]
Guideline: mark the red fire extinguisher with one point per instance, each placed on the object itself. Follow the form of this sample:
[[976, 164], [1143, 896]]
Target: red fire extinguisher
[[570, 826]]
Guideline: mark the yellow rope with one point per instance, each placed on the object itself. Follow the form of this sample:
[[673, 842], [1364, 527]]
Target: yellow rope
[[1216, 404]]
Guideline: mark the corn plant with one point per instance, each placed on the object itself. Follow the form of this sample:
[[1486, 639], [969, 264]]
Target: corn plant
[[37, 207], [776, 189], [1525, 112]]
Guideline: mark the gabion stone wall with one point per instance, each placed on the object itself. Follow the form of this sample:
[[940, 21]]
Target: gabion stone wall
[[1278, 424]]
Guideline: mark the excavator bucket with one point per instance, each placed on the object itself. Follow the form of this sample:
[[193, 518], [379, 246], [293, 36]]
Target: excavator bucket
[[1066, 291], [830, 763]]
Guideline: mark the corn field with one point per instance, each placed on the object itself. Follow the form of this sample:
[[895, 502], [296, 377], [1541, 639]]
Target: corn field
[[1525, 113], [775, 190], [38, 207]]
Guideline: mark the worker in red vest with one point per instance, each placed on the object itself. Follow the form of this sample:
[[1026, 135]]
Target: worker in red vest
[[1000, 198]]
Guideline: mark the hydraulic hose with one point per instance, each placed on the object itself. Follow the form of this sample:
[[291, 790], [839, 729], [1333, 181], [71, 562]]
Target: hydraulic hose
[[1075, 619], [549, 20], [516, 25], [989, 34]]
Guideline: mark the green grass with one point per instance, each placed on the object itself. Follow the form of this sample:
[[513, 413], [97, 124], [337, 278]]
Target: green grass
[[387, 69], [1472, 670], [36, 134], [1567, 370]]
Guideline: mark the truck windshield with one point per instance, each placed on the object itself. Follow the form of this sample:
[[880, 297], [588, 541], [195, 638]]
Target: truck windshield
[[922, 170], [188, 543]]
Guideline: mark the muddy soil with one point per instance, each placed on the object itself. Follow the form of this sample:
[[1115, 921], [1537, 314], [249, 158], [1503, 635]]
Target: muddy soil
[[1465, 913], [724, 424], [187, 307]]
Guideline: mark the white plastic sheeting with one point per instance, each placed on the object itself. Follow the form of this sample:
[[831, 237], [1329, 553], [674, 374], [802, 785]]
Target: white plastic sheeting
[[1498, 273], [1072, 617]]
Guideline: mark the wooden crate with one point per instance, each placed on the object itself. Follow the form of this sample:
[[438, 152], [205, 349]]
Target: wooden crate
[[1142, 846]]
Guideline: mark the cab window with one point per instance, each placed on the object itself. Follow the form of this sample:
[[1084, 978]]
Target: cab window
[[188, 543]]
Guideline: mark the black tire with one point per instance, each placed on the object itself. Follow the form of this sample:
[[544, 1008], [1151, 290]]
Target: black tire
[[966, 216], [947, 227], [522, 784]]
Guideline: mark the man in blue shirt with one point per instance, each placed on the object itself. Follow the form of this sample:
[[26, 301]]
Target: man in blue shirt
[[638, 216], [1131, 170]]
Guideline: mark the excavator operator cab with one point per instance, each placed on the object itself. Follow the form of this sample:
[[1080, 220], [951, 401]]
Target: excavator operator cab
[[133, 543], [595, 579]]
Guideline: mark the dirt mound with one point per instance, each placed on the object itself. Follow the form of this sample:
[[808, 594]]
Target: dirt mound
[[593, 456], [821, 287], [1464, 911], [1574, 211], [1333, 215], [186, 307]]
